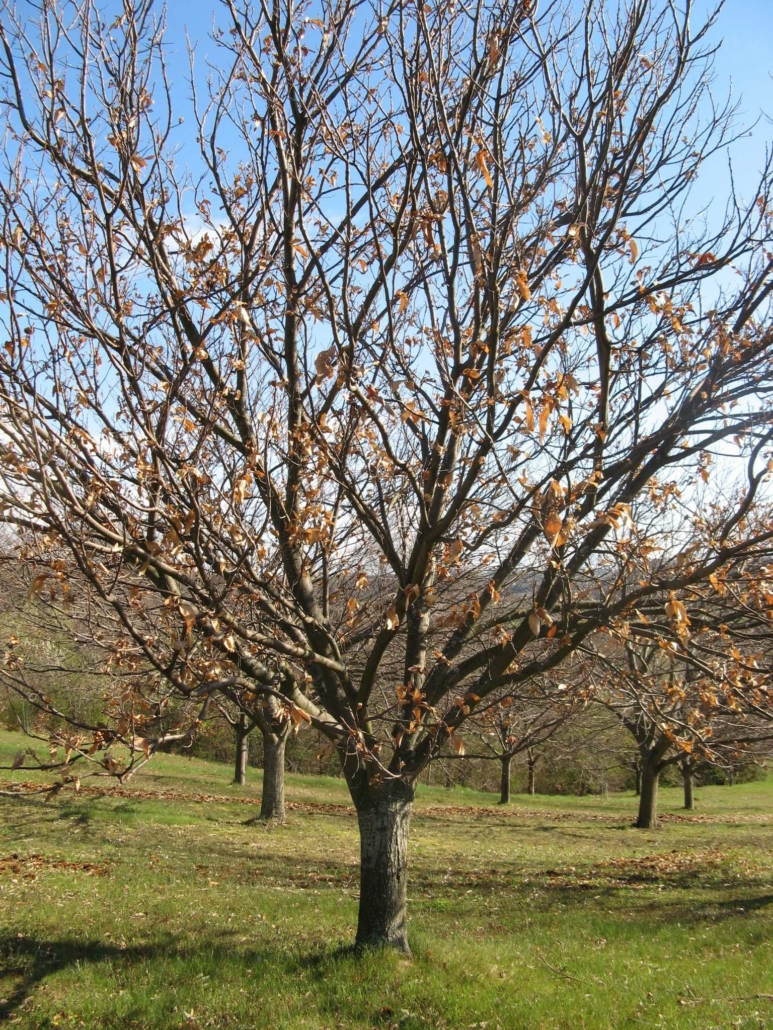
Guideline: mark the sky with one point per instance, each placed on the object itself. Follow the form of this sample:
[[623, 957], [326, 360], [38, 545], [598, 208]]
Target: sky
[[744, 64], [745, 60]]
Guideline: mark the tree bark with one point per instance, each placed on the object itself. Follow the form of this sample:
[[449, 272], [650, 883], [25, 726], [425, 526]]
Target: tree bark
[[384, 815], [504, 788], [637, 780], [272, 801], [687, 780], [648, 799], [242, 750]]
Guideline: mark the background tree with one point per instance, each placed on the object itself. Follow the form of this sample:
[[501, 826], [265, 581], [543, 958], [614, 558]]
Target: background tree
[[275, 723], [514, 725], [426, 322], [275, 728], [242, 726], [692, 687], [69, 684]]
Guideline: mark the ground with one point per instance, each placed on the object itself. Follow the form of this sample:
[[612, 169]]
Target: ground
[[163, 905]]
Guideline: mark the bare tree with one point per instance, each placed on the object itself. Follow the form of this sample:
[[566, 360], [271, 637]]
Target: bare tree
[[693, 687], [687, 768], [242, 725], [377, 378], [242, 729], [515, 724]]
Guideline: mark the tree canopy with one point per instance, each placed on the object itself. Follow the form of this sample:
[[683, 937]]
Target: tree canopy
[[391, 382]]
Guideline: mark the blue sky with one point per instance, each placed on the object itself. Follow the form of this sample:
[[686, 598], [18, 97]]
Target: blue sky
[[744, 63], [746, 28]]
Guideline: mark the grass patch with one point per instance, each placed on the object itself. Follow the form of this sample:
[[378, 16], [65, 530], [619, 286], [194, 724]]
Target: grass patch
[[159, 907]]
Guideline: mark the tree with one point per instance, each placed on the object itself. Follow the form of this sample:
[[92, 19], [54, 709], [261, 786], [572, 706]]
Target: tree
[[687, 767], [589, 754], [275, 725], [692, 687], [512, 725], [242, 729], [380, 378]]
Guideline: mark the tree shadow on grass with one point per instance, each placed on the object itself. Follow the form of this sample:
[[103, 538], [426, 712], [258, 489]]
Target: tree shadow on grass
[[27, 961], [699, 894], [31, 960], [653, 905], [741, 905]]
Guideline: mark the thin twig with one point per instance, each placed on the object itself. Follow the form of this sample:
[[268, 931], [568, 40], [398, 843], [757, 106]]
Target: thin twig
[[560, 972]]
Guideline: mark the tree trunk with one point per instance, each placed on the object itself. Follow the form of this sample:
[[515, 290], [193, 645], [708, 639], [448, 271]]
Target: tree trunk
[[687, 780], [504, 788], [384, 815], [637, 779], [648, 799], [272, 801], [532, 783], [242, 750]]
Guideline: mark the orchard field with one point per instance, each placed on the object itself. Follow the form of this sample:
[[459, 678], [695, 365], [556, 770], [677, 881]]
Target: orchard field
[[163, 905]]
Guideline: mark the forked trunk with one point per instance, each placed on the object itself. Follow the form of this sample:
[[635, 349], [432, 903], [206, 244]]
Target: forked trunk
[[272, 802], [687, 780], [242, 751], [504, 789], [384, 815], [648, 799]]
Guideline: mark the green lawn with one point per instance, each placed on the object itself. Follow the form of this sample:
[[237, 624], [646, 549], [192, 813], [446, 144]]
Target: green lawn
[[163, 906]]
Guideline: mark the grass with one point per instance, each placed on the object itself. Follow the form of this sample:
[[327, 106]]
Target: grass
[[162, 907]]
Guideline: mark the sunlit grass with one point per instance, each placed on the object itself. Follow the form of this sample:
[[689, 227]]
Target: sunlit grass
[[149, 911]]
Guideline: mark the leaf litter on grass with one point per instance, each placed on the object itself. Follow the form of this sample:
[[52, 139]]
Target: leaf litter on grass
[[512, 892]]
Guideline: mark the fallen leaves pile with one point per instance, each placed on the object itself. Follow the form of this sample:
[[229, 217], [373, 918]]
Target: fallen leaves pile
[[28, 866]]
